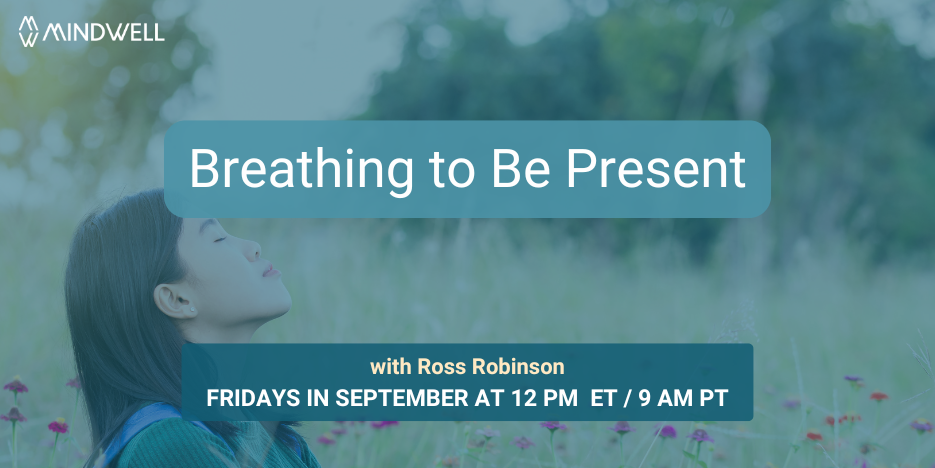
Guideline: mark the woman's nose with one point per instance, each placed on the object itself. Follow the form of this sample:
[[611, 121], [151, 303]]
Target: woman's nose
[[254, 251]]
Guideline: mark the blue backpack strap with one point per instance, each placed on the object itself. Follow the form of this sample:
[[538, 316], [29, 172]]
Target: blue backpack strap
[[142, 419], [296, 445]]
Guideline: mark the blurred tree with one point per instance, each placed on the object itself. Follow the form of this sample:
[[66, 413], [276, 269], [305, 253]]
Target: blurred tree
[[851, 112], [82, 108]]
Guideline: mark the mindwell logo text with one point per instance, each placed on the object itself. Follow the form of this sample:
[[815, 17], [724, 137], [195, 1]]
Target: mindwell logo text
[[136, 32]]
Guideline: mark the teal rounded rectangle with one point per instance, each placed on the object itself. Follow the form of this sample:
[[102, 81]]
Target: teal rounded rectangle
[[467, 169], [583, 382]]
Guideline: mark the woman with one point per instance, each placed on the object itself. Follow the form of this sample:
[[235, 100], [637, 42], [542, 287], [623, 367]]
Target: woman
[[140, 282]]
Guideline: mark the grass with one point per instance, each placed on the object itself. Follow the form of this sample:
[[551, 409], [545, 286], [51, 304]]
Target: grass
[[480, 281]]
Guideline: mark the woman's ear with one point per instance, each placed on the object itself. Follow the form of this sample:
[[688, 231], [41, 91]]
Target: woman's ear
[[170, 301]]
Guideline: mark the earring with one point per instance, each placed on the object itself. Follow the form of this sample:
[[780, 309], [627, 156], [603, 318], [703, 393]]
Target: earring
[[192, 309]]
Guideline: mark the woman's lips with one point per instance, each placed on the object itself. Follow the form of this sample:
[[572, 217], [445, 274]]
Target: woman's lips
[[270, 271]]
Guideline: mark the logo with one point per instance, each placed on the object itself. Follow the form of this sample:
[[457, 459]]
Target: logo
[[32, 31], [89, 32]]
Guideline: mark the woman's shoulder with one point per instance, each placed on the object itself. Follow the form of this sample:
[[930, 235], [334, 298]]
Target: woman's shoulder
[[307, 456], [178, 443]]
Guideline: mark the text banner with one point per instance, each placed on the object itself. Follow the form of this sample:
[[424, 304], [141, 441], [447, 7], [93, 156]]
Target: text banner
[[467, 169], [468, 382]]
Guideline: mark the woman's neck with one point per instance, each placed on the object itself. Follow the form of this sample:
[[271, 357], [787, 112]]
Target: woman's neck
[[234, 334]]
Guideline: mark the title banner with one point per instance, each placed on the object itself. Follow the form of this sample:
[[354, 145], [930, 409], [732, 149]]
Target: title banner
[[467, 169], [467, 382]]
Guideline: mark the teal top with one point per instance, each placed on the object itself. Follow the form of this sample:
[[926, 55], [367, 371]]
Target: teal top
[[179, 443]]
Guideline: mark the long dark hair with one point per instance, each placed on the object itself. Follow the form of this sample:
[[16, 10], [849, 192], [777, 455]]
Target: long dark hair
[[126, 350]]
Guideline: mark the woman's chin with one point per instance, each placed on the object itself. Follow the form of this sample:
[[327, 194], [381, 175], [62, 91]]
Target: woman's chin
[[271, 314], [283, 311], [281, 301], [285, 306]]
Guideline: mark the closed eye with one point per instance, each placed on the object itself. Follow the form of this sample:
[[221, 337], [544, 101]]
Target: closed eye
[[219, 240]]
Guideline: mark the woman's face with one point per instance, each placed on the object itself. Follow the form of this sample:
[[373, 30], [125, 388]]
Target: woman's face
[[229, 282]]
